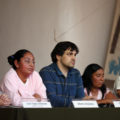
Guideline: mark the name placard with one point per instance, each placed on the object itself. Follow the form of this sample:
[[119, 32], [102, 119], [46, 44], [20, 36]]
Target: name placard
[[85, 104], [116, 104], [37, 104]]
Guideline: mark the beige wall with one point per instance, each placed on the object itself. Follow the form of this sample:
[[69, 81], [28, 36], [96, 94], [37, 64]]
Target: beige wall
[[38, 24]]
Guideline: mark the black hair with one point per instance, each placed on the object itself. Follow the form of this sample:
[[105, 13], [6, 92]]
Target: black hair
[[60, 49], [17, 56], [87, 78]]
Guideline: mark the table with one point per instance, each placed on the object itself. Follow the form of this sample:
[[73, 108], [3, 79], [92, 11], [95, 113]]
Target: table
[[60, 114]]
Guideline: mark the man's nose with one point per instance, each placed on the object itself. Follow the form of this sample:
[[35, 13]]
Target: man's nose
[[73, 57]]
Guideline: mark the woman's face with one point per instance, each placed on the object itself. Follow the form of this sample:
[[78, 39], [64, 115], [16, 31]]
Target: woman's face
[[98, 78], [26, 65]]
